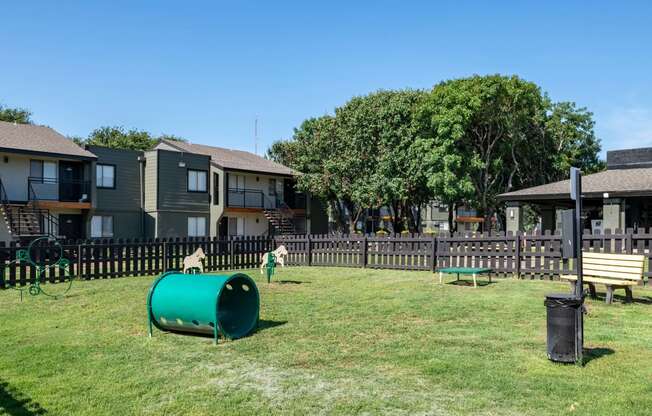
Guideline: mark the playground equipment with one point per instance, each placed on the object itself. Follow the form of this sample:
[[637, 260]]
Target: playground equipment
[[270, 259], [193, 263], [271, 266], [42, 254], [207, 304]]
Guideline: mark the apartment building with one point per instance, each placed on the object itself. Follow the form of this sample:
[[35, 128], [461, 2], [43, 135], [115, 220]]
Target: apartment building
[[51, 186]]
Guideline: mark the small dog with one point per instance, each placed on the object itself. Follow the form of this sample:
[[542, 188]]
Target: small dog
[[279, 253], [194, 261]]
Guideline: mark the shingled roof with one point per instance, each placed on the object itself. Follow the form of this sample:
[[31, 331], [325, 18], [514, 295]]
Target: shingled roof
[[29, 138], [616, 182], [233, 159]]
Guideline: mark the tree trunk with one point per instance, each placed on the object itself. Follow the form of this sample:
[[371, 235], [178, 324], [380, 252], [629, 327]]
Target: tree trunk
[[397, 223], [451, 224]]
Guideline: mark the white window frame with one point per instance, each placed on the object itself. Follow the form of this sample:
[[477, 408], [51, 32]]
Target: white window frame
[[43, 174], [239, 226], [102, 226], [195, 184], [102, 179], [196, 226], [236, 182]]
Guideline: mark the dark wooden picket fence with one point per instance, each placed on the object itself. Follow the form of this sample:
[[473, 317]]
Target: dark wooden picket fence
[[525, 255], [105, 259]]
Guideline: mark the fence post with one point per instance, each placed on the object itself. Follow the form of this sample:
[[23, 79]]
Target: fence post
[[433, 254], [309, 249], [363, 260], [79, 261], [165, 256], [231, 256], [517, 255]]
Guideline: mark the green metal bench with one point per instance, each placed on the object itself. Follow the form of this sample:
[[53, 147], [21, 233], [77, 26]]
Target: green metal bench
[[474, 271]]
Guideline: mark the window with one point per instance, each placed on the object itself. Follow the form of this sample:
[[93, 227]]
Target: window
[[101, 226], [272, 187], [197, 181], [216, 188], [236, 226], [40, 169], [196, 226], [236, 182], [105, 176]]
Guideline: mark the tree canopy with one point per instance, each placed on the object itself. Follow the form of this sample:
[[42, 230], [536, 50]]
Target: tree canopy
[[486, 135], [15, 115], [465, 141], [119, 138], [361, 157]]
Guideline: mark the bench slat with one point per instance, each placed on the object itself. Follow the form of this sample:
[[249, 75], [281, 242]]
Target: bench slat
[[637, 270], [611, 256], [589, 271], [612, 262], [604, 281]]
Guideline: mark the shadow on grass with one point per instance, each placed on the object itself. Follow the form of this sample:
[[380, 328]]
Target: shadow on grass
[[591, 354], [470, 283], [645, 300], [264, 324], [14, 403], [289, 282]]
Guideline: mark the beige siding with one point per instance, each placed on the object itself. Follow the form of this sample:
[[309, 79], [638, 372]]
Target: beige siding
[[151, 180]]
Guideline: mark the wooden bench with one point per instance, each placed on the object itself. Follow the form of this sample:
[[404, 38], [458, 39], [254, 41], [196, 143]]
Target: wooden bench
[[615, 271]]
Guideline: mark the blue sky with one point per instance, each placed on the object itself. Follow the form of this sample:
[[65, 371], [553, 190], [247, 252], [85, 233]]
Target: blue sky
[[205, 70]]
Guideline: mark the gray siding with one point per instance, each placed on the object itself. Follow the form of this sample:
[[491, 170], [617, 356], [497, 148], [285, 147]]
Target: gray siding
[[126, 195], [150, 225], [175, 224], [151, 182], [629, 158], [173, 194], [125, 224]]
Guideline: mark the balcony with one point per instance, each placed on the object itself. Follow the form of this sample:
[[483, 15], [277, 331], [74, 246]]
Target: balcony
[[245, 198], [55, 190]]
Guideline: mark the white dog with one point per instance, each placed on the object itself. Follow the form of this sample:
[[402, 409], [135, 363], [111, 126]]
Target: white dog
[[279, 253], [194, 261]]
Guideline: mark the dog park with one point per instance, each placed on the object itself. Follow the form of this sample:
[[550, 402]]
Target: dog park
[[379, 335]]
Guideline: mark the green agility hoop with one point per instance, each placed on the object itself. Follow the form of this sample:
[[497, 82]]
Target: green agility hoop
[[41, 262], [270, 266]]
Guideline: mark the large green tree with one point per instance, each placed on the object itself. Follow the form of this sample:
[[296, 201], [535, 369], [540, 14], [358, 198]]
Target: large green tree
[[486, 135], [15, 115], [361, 157]]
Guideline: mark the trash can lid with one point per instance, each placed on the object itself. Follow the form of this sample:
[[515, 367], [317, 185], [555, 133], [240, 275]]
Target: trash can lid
[[562, 299]]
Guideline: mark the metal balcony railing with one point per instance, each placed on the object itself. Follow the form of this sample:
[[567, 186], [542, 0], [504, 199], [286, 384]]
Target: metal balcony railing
[[245, 198], [49, 189]]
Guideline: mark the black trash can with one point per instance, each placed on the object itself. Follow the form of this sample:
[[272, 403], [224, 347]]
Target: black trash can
[[564, 319]]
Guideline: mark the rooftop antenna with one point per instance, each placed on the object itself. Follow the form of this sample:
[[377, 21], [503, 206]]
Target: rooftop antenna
[[256, 135]]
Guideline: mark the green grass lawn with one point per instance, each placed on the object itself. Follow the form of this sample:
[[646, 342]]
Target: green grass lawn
[[331, 341]]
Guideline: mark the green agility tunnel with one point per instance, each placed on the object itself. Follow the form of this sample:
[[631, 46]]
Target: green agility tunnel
[[210, 304]]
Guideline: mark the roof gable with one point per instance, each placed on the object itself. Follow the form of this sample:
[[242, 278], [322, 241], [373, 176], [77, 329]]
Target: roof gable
[[616, 182], [28, 138], [230, 159]]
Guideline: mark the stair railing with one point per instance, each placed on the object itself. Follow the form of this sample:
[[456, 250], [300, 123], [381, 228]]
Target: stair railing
[[48, 224], [4, 200], [285, 212]]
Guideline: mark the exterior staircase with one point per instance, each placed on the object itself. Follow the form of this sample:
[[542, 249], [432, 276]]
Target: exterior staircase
[[281, 220], [26, 221]]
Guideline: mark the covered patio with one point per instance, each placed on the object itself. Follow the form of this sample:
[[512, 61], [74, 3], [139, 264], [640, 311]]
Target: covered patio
[[617, 198]]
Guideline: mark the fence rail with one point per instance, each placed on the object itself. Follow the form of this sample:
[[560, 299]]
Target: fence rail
[[525, 255]]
